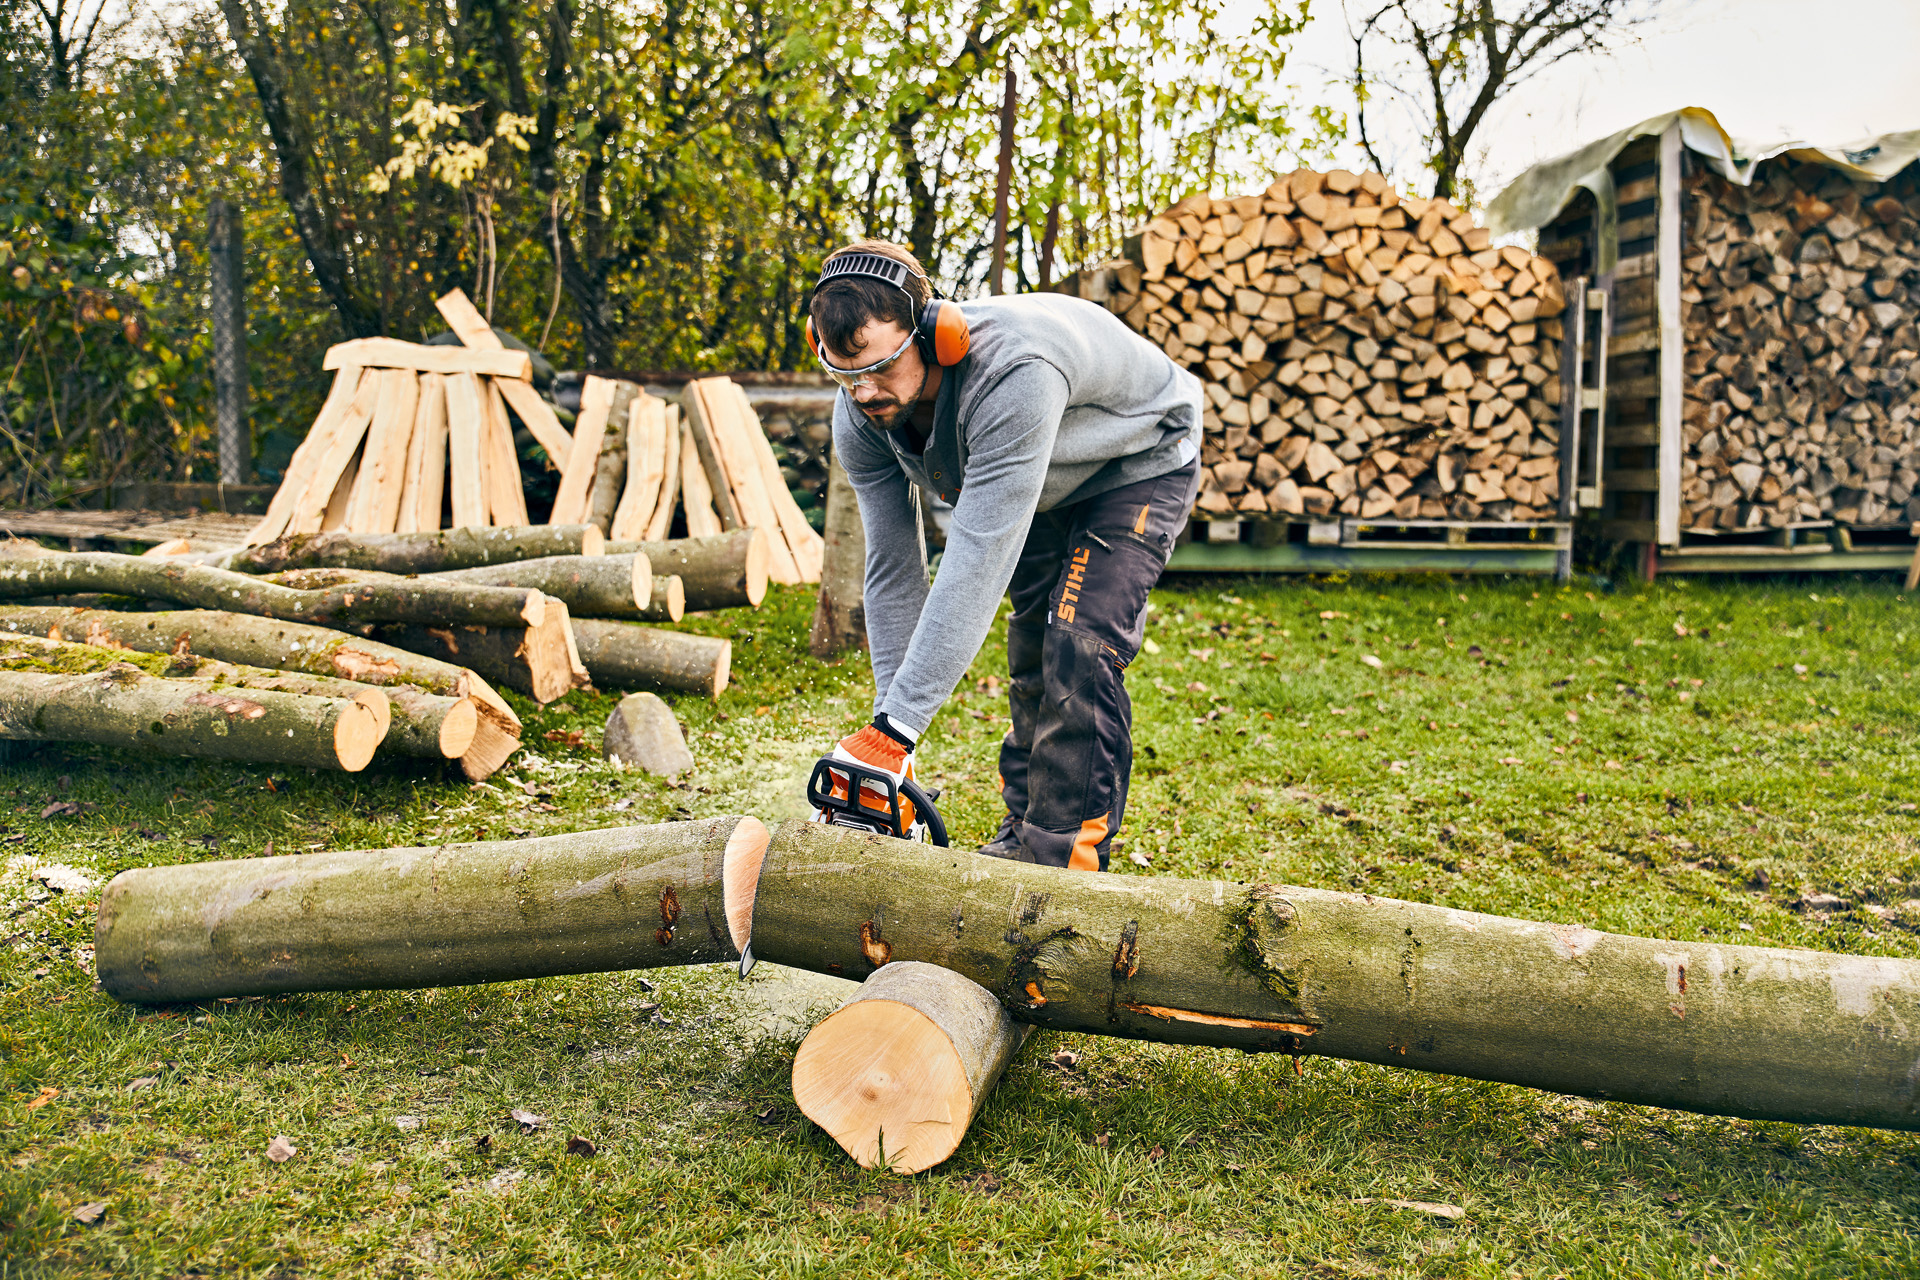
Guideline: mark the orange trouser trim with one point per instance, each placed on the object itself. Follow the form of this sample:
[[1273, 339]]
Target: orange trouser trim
[[1086, 853]]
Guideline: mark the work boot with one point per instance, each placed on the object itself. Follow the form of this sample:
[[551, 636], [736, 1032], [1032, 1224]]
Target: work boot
[[1006, 841]]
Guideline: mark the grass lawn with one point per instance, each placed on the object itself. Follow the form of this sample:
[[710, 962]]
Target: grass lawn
[[1686, 760]]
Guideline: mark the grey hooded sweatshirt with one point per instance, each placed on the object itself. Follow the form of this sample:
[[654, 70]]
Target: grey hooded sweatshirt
[[1055, 402]]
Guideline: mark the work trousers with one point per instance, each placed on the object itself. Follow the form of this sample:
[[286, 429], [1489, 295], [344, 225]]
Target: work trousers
[[1079, 614]]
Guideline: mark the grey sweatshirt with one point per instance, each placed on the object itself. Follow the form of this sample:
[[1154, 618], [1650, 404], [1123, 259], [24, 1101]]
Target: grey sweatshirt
[[1056, 401]]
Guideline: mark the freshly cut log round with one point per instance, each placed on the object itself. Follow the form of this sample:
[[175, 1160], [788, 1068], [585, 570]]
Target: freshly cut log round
[[666, 600], [436, 552], [612, 586], [626, 655], [1726, 1030], [720, 571], [388, 601], [432, 726], [540, 662], [124, 707], [897, 1074], [584, 902]]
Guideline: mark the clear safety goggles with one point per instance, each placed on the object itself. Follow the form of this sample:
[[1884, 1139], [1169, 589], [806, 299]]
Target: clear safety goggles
[[854, 378]]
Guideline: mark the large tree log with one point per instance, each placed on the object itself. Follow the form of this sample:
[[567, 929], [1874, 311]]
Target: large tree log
[[584, 902], [898, 1072], [1726, 1030], [124, 707], [286, 646], [606, 586], [541, 661], [720, 571], [625, 655], [436, 552], [399, 600]]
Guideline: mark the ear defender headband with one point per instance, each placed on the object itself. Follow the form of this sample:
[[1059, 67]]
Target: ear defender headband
[[941, 331]]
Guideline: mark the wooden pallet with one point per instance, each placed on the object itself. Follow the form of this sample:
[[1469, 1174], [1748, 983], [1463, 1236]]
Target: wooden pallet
[[1817, 546], [1375, 546], [206, 530]]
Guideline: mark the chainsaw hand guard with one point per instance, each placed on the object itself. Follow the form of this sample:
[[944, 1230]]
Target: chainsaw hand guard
[[846, 793]]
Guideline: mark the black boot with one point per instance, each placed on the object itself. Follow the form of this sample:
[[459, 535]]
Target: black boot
[[1006, 841]]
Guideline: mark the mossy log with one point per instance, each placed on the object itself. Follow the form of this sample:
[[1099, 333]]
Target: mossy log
[[1727, 1030], [288, 646], [123, 706], [626, 655], [584, 902], [897, 1073], [422, 600], [610, 586], [541, 662], [719, 571], [435, 552]]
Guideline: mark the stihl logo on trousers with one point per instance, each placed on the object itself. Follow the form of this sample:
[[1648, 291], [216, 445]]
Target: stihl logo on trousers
[[1076, 580]]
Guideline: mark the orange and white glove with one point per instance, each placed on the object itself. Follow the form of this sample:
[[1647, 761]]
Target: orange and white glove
[[883, 752]]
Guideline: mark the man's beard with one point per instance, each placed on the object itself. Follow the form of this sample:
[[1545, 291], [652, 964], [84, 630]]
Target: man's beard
[[886, 416]]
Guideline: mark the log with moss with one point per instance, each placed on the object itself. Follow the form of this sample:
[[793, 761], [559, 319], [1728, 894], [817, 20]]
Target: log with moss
[[123, 706], [291, 646], [584, 902], [720, 571], [352, 604], [541, 662], [434, 552], [626, 655], [610, 586]]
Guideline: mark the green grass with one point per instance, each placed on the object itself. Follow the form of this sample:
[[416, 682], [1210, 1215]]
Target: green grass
[[1711, 780]]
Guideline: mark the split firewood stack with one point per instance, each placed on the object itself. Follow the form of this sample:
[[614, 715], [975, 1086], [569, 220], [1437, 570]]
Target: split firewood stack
[[1364, 354], [1798, 301]]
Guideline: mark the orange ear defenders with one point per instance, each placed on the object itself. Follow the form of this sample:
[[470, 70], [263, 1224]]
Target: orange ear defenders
[[942, 330]]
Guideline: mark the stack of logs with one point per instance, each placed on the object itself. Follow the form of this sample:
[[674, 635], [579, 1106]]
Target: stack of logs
[[1364, 354], [1799, 297]]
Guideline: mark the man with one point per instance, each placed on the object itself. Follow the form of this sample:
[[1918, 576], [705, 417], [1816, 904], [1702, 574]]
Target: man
[[1069, 448]]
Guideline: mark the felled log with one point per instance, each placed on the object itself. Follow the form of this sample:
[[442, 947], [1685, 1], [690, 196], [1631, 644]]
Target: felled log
[[122, 706], [417, 600], [605, 586], [1726, 1030], [898, 1073], [718, 571], [436, 552], [541, 662], [431, 725], [288, 646], [584, 902], [626, 655], [610, 471], [666, 601], [840, 613]]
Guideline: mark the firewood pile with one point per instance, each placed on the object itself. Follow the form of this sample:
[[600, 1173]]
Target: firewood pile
[[1364, 354], [1799, 299]]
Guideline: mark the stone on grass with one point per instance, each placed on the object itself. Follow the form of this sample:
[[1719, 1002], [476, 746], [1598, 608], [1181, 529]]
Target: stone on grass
[[642, 734]]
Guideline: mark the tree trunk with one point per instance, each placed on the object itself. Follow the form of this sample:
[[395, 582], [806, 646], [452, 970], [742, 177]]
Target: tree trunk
[[1725, 1030], [286, 646], [610, 471], [625, 655], [720, 571], [124, 707], [898, 1072], [435, 552], [840, 616], [607, 586], [666, 601], [541, 662], [583, 902], [418, 600]]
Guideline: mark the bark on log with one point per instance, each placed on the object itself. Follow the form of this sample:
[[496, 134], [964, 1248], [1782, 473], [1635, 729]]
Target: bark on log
[[432, 726], [625, 655], [541, 662], [286, 646], [584, 902], [124, 707], [1726, 1030], [720, 571], [666, 601], [840, 613], [208, 588], [897, 1073], [436, 552], [606, 586]]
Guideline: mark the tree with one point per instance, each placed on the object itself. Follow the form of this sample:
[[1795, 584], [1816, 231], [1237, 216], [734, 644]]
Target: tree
[[1450, 61]]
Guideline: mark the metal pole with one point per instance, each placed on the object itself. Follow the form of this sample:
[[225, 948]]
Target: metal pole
[[228, 300]]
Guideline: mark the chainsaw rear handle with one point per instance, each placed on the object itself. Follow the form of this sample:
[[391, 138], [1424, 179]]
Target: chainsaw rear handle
[[820, 795]]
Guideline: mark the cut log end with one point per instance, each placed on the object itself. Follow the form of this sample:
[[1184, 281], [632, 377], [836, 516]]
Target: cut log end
[[381, 706], [458, 729], [757, 554], [534, 612], [886, 1082], [642, 581], [357, 732], [669, 597], [740, 877], [593, 542]]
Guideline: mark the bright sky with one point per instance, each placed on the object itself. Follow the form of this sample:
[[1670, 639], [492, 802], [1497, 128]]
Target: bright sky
[[1822, 73]]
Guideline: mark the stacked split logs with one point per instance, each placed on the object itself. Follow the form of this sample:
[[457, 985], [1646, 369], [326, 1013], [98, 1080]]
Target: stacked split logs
[[1364, 354], [1799, 300]]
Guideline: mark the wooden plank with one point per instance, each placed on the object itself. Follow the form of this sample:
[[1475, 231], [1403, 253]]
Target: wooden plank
[[341, 446], [1672, 375], [392, 353], [700, 432], [467, 323], [661, 522], [696, 495], [539, 418], [335, 516], [646, 467], [464, 458], [1634, 480], [506, 496], [426, 459], [383, 463], [306, 458], [596, 404], [742, 470], [808, 547], [1633, 344], [1637, 435]]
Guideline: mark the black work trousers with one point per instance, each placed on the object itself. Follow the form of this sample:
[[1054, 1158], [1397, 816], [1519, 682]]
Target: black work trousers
[[1079, 614]]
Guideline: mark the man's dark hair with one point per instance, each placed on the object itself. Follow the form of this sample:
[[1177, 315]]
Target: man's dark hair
[[842, 307]]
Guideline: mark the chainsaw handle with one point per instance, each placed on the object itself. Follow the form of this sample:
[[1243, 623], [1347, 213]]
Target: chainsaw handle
[[923, 806], [820, 795]]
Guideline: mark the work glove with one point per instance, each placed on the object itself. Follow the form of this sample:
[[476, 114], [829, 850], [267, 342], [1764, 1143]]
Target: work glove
[[885, 752]]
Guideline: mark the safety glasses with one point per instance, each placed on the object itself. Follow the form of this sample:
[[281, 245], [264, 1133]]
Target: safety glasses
[[852, 378]]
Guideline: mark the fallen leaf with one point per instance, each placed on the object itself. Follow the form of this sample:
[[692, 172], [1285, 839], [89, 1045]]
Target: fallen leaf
[[61, 878], [578, 1146], [566, 737], [1103, 1140], [142, 1082], [527, 1121], [1451, 1212], [41, 1099], [64, 809], [1236, 1168], [407, 1124], [1511, 760], [1138, 858], [768, 1114], [1158, 1153], [1065, 1059], [1196, 687], [1371, 661], [90, 1213], [280, 1150]]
